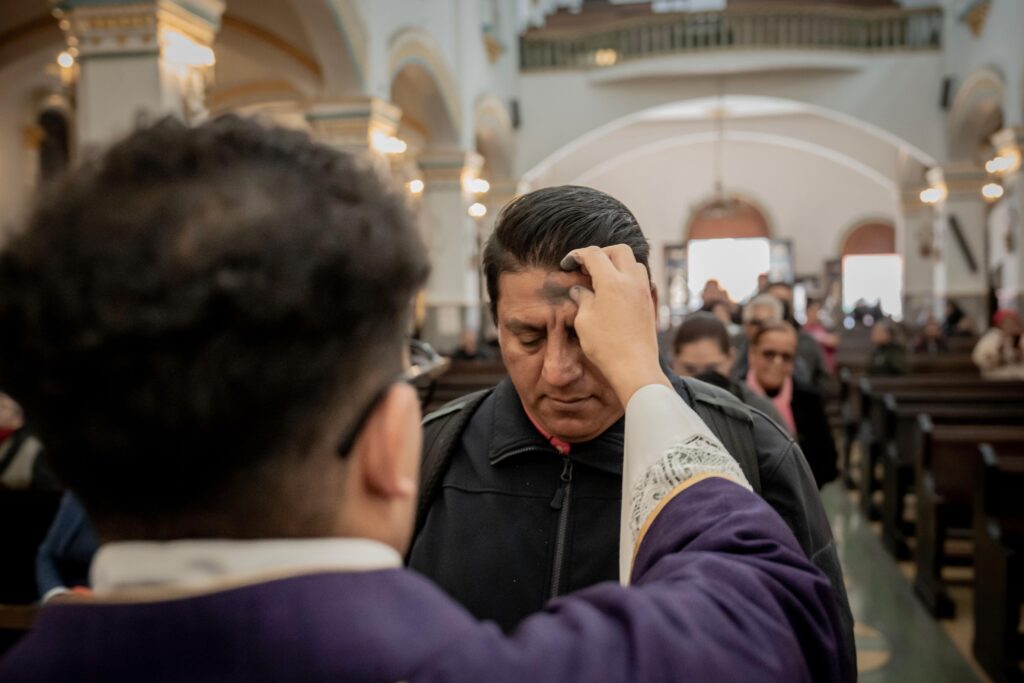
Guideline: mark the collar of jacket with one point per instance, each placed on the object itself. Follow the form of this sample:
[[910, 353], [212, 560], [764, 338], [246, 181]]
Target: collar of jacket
[[513, 436]]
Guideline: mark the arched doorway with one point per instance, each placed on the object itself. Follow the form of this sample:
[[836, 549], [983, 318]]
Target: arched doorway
[[727, 217]]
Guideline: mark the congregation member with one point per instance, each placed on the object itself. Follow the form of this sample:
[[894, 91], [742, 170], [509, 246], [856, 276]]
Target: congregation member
[[816, 328], [999, 354], [64, 556], [930, 338], [772, 357], [22, 465], [249, 458], [888, 356], [539, 457], [701, 349], [808, 348]]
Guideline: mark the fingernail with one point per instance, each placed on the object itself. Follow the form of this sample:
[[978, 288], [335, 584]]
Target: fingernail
[[569, 263], [574, 293]]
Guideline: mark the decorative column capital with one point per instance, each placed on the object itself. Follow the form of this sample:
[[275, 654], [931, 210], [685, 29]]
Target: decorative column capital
[[961, 180], [353, 124], [180, 32], [449, 167]]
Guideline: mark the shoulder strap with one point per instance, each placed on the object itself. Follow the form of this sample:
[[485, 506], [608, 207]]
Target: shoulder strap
[[13, 443], [732, 423], [442, 430]]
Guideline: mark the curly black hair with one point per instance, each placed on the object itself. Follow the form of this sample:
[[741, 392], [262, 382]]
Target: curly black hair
[[537, 230], [183, 310]]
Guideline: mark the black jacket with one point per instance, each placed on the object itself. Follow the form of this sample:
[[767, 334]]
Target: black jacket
[[814, 433], [516, 524]]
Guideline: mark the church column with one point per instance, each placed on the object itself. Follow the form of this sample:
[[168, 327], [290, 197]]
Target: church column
[[918, 251], [139, 59], [356, 124], [1006, 225], [453, 292], [959, 229]]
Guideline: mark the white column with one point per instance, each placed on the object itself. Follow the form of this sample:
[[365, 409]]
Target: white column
[[918, 256], [1006, 227], [955, 275], [356, 124], [138, 60], [453, 292]]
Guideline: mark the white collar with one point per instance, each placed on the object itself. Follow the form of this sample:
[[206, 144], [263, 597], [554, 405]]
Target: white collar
[[200, 565]]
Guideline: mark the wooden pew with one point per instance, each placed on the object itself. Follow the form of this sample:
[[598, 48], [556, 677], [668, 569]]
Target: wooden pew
[[875, 427], [901, 440], [946, 488], [999, 563]]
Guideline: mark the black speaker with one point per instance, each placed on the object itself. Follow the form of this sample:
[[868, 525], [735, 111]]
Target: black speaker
[[513, 113], [947, 93]]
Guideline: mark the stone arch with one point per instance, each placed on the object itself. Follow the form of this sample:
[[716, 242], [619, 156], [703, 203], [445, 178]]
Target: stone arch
[[977, 112], [494, 138], [870, 236], [733, 216], [423, 86]]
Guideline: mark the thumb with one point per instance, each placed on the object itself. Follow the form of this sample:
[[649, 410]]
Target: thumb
[[581, 296]]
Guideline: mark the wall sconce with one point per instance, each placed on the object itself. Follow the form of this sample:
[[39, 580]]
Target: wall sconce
[[992, 191], [933, 195], [477, 210], [387, 144], [415, 186]]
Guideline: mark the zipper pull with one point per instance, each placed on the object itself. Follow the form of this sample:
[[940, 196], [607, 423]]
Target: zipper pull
[[565, 477]]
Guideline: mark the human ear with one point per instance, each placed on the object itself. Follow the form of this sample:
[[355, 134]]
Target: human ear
[[389, 447]]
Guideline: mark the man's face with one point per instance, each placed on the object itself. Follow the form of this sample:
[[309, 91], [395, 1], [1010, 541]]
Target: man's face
[[772, 358], [759, 315], [696, 358], [557, 384], [782, 293]]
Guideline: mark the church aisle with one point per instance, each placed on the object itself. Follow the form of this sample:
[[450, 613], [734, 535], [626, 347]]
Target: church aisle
[[897, 640]]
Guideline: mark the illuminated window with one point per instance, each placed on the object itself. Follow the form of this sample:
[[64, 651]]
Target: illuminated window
[[735, 263], [874, 279]]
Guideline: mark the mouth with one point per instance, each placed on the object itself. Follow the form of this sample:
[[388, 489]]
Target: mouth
[[567, 403]]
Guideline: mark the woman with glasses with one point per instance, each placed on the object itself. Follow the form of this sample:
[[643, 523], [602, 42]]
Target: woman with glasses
[[771, 358]]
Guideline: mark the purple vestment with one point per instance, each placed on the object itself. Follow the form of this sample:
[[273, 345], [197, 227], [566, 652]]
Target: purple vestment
[[721, 592]]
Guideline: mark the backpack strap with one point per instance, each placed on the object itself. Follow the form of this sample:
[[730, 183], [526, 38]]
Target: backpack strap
[[442, 430], [731, 422]]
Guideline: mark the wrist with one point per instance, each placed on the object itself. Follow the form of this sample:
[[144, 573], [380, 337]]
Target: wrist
[[629, 385]]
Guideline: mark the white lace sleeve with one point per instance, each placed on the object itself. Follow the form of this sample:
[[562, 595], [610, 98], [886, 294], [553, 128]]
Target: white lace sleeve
[[667, 444]]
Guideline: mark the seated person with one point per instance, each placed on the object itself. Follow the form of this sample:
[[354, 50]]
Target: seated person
[[999, 354], [22, 465], [808, 349], [816, 328], [64, 556], [702, 351], [772, 356], [539, 456], [888, 356], [214, 352], [930, 339]]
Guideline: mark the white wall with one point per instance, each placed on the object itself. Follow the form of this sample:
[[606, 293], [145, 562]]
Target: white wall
[[808, 199]]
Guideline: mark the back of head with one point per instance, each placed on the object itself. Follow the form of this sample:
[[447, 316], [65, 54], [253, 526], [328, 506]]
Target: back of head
[[698, 327], [181, 314], [538, 229], [756, 307]]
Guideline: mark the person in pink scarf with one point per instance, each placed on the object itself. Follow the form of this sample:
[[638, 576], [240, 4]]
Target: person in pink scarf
[[771, 357]]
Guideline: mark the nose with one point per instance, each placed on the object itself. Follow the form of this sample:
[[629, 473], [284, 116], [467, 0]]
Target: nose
[[563, 361]]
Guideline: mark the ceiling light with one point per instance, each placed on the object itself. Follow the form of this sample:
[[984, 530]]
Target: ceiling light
[[992, 191], [477, 210]]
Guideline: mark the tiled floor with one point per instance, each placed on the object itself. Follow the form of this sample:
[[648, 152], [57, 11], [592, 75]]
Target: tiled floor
[[897, 640]]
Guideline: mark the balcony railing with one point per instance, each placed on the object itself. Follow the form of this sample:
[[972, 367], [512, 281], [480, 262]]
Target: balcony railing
[[744, 28]]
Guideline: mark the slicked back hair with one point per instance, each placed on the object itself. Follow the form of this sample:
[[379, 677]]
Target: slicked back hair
[[538, 229], [184, 311]]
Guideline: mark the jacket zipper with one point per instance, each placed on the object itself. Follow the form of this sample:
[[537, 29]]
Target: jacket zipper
[[562, 502]]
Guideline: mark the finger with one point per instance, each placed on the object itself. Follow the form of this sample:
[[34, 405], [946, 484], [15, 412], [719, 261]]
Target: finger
[[582, 296], [622, 256], [596, 264]]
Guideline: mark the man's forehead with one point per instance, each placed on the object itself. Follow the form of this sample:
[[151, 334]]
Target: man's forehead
[[537, 288]]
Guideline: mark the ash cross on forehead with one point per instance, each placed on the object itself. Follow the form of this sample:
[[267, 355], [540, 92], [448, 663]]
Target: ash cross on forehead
[[555, 293]]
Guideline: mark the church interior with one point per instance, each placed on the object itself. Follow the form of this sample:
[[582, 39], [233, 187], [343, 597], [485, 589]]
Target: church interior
[[853, 165]]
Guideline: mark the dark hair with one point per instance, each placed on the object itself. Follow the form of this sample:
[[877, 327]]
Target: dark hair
[[182, 313], [772, 326], [698, 327], [538, 229]]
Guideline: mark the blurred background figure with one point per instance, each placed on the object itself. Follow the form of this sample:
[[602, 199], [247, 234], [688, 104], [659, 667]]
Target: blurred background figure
[[772, 357], [930, 338], [816, 328], [702, 349], [999, 353], [21, 454], [62, 563], [888, 357], [469, 347]]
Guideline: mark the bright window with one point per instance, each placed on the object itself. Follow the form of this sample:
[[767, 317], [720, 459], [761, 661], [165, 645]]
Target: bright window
[[875, 278], [735, 263]]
